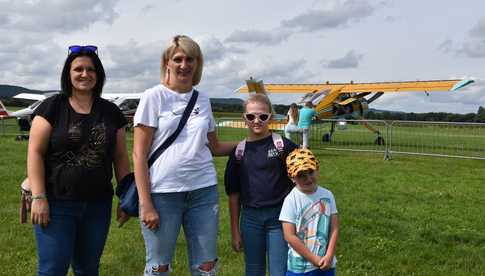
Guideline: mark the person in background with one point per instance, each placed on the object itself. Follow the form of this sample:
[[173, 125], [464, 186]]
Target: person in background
[[75, 140], [257, 183], [293, 117], [309, 218], [180, 188], [307, 113]]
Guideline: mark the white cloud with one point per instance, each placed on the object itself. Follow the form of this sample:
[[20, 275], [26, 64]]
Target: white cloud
[[53, 16], [473, 49], [350, 60], [479, 29], [295, 39], [258, 37], [342, 14]]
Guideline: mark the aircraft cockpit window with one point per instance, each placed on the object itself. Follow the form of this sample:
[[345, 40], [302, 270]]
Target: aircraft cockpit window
[[129, 104]]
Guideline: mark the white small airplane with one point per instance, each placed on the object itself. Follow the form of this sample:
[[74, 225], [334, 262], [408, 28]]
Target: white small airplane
[[127, 102]]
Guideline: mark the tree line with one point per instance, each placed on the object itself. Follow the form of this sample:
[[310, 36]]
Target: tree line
[[478, 117]]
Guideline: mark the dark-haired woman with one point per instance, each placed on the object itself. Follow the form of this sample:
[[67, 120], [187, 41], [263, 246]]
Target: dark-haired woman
[[75, 139]]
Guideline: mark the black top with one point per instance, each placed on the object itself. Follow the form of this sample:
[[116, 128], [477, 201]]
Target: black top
[[260, 177], [79, 158]]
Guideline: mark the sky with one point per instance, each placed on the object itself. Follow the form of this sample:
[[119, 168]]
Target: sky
[[278, 41]]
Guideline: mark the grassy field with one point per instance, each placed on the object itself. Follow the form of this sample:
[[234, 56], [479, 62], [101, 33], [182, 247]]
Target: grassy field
[[409, 216]]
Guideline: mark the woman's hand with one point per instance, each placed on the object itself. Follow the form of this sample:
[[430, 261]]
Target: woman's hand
[[39, 213], [121, 216], [236, 242], [149, 216]]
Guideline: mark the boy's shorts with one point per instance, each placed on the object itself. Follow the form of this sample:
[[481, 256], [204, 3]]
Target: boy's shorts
[[316, 272]]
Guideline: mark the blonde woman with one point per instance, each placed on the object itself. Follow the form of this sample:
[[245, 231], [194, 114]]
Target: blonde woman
[[180, 188]]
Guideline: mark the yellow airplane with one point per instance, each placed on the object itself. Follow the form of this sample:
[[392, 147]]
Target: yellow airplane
[[350, 100]]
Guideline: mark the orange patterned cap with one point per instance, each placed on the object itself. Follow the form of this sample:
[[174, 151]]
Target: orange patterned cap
[[301, 160]]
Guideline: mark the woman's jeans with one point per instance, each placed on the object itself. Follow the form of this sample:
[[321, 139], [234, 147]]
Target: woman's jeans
[[291, 128], [76, 235], [198, 212], [306, 134], [262, 237]]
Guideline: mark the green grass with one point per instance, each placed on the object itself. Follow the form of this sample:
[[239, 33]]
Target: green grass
[[408, 216]]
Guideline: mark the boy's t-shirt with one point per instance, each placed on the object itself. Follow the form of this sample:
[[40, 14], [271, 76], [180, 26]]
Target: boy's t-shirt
[[311, 215]]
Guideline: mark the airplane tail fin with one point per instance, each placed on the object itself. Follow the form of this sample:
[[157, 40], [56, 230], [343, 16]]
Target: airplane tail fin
[[255, 86], [3, 110]]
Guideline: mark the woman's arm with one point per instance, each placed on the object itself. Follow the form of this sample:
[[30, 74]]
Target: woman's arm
[[121, 162], [143, 137], [40, 133], [219, 148], [122, 168], [234, 212]]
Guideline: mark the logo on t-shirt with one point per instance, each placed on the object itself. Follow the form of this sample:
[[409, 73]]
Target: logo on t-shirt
[[272, 153]]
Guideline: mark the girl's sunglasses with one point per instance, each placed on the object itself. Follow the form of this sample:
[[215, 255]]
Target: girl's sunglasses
[[263, 117], [74, 49]]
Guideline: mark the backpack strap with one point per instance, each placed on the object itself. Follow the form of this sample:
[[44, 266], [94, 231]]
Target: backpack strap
[[277, 142], [240, 150]]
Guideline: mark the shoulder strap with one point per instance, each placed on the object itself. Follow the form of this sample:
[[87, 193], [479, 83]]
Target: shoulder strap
[[183, 121], [277, 142], [240, 150]]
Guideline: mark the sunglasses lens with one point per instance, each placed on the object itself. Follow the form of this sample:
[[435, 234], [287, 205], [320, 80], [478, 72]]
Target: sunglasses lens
[[264, 117], [250, 117], [75, 48], [90, 48]]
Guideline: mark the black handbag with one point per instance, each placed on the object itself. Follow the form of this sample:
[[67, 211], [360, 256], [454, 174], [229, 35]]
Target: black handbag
[[126, 189]]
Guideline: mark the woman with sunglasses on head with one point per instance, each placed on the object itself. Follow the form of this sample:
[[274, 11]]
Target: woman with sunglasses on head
[[257, 184], [179, 189], [75, 140]]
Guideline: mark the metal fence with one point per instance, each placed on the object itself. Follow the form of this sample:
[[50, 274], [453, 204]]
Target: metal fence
[[10, 127], [446, 139]]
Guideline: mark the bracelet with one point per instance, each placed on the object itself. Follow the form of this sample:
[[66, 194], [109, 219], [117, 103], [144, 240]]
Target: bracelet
[[40, 196]]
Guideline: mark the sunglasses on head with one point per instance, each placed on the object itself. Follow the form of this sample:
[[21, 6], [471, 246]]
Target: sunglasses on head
[[74, 49], [263, 117]]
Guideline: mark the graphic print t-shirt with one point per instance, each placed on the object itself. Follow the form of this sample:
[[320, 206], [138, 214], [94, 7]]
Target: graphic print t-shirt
[[311, 216], [79, 159]]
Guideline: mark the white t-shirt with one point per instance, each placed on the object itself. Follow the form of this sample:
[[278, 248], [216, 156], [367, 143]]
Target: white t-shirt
[[187, 164], [311, 215], [290, 118]]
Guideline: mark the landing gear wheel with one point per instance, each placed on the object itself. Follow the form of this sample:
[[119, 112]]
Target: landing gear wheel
[[326, 137]]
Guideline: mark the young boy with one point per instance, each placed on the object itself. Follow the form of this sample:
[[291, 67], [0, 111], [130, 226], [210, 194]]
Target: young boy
[[309, 218]]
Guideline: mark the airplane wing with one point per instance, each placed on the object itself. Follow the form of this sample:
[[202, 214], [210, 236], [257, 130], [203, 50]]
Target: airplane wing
[[30, 96], [339, 88]]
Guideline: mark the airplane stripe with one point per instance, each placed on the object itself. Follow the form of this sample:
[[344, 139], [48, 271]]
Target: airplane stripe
[[406, 86]]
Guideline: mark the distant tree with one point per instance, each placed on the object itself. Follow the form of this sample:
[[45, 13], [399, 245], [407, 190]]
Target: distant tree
[[480, 117]]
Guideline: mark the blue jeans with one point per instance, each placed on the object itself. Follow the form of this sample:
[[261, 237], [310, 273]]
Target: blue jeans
[[262, 237], [76, 235], [198, 212], [316, 272]]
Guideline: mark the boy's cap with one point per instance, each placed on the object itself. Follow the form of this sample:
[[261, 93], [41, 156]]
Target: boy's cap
[[301, 160]]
